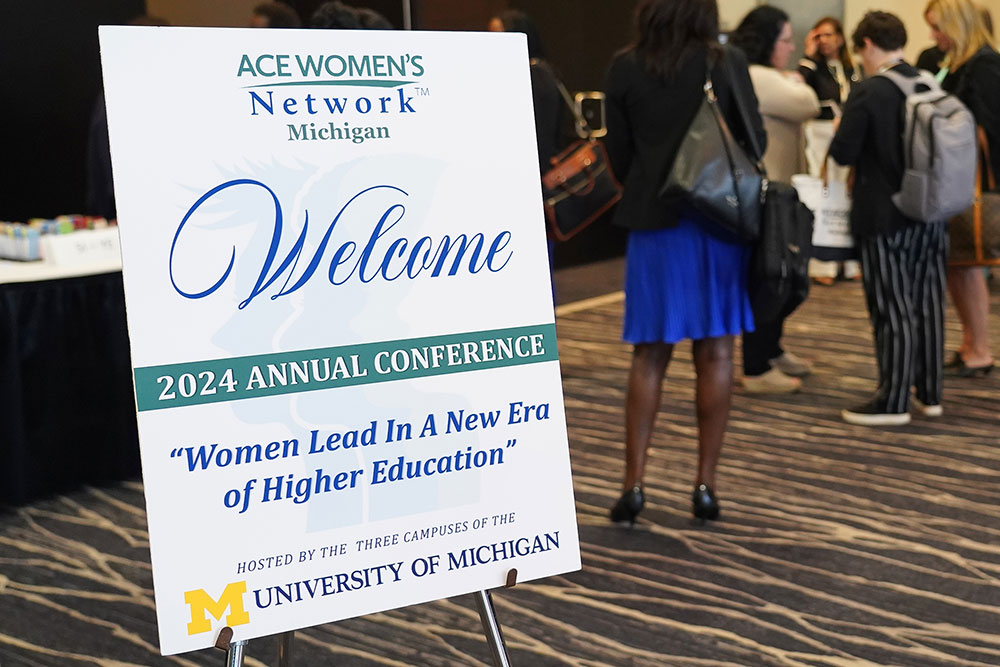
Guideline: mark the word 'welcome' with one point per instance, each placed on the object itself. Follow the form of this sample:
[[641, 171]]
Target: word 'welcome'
[[384, 256]]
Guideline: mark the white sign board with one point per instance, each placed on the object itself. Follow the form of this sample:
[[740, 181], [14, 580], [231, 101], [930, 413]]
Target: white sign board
[[341, 322]]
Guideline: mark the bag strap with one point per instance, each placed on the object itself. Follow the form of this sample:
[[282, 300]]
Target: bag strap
[[908, 84], [741, 107], [578, 119], [984, 147]]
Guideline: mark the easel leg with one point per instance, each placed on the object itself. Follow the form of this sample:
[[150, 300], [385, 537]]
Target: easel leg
[[493, 635], [234, 654], [285, 649]]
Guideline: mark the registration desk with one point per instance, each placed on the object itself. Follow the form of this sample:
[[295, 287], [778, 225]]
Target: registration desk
[[67, 415]]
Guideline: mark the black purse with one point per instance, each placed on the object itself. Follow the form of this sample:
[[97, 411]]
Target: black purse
[[713, 173], [778, 276], [580, 187]]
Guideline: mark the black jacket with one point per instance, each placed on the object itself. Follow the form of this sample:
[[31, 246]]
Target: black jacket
[[647, 119], [977, 84], [819, 77], [553, 124], [870, 138]]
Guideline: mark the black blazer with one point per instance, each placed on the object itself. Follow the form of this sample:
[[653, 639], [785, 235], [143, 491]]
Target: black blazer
[[870, 137], [819, 77], [553, 126], [977, 84], [647, 119]]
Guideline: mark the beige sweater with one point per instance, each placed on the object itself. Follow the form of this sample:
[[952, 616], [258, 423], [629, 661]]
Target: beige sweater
[[785, 103]]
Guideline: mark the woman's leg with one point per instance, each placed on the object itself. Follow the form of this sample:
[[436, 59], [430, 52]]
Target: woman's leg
[[713, 364], [967, 286], [649, 364]]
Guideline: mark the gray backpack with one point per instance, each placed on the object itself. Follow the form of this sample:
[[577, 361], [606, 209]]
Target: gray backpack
[[939, 151]]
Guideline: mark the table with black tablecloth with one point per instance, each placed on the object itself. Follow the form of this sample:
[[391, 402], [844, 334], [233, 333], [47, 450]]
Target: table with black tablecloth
[[67, 409]]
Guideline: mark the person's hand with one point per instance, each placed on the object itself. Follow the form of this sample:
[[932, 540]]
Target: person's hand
[[810, 48]]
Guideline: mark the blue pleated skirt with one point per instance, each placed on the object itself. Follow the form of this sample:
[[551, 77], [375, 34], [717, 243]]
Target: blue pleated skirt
[[682, 282]]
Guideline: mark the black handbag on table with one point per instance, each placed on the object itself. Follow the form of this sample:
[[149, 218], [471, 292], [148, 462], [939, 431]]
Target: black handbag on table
[[714, 174]]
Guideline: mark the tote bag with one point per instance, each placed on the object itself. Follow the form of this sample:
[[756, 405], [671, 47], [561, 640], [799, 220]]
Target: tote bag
[[831, 207], [974, 236]]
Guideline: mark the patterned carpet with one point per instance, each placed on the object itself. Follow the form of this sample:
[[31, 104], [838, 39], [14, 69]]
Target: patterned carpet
[[838, 545]]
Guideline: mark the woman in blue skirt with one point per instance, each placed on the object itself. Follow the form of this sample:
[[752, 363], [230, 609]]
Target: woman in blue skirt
[[684, 279]]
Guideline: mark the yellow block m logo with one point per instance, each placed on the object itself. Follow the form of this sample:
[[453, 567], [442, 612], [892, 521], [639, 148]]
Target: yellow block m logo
[[201, 602]]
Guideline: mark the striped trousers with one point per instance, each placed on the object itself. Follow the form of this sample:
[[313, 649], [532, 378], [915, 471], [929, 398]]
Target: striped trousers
[[904, 281]]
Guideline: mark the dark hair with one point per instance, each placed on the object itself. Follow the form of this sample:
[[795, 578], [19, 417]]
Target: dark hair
[[843, 52], [146, 19], [885, 30], [335, 14], [517, 21], [758, 32], [670, 30], [278, 15], [372, 20]]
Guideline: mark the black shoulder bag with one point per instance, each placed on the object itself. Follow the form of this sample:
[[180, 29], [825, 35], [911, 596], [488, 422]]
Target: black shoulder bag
[[714, 174], [778, 279]]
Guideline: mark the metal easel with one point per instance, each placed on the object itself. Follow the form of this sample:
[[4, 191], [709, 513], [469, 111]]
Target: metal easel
[[487, 614]]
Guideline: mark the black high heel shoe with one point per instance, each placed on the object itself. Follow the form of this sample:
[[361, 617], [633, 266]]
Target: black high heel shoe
[[704, 504], [628, 506], [974, 371]]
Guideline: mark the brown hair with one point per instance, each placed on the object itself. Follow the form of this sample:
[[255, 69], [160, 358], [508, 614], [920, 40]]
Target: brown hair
[[843, 52]]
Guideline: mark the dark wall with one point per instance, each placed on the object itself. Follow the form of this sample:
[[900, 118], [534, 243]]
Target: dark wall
[[580, 36], [50, 77]]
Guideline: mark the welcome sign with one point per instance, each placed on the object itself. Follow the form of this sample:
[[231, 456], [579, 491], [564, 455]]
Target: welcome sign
[[341, 322]]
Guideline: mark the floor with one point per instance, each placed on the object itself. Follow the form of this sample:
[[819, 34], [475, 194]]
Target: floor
[[838, 545]]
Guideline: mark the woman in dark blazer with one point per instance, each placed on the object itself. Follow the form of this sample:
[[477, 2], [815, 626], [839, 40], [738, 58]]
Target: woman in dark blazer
[[682, 280]]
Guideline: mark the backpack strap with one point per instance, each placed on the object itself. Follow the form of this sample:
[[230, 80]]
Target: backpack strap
[[908, 84]]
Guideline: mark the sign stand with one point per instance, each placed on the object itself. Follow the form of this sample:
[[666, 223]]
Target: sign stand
[[487, 614]]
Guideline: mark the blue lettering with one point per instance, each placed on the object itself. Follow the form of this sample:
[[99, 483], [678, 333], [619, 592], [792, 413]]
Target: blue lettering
[[384, 256], [268, 106]]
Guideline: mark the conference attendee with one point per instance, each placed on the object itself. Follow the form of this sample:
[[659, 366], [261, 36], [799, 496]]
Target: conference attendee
[[335, 15], [553, 123], [338, 16], [827, 66], [902, 260], [682, 280], [972, 72], [829, 70], [765, 36], [274, 15]]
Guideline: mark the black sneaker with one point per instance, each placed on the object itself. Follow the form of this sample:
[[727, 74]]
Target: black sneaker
[[873, 414]]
